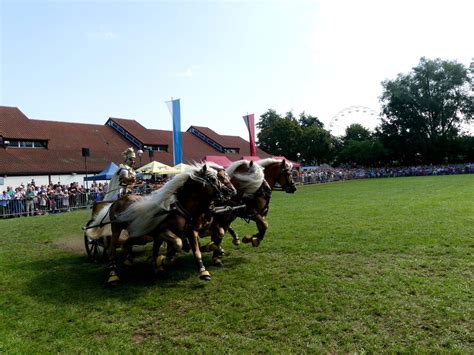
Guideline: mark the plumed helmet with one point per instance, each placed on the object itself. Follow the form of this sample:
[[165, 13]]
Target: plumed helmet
[[128, 153]]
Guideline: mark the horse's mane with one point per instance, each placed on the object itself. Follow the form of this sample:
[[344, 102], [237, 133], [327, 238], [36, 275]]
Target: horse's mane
[[268, 161], [144, 215], [215, 166], [250, 180]]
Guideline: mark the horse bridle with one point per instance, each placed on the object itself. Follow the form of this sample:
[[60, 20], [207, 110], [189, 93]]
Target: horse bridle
[[289, 186], [217, 185]]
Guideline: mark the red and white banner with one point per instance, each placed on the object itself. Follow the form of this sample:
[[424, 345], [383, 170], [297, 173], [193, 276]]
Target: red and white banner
[[250, 122]]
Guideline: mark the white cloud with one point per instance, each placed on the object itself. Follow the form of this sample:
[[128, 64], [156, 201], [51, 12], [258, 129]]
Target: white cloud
[[103, 34], [188, 73]]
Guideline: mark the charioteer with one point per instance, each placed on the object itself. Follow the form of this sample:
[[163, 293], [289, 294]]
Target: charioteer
[[124, 178]]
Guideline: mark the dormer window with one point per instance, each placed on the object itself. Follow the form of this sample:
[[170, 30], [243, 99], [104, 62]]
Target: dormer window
[[25, 143]]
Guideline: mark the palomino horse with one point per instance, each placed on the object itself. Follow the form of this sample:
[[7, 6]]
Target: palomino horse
[[174, 212], [276, 172], [228, 191], [247, 177]]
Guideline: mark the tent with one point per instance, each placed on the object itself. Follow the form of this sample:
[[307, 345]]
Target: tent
[[181, 167], [177, 169], [295, 164], [221, 160], [105, 174], [251, 157], [155, 167]]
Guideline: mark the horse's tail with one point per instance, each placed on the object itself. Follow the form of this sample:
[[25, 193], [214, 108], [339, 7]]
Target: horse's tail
[[99, 225]]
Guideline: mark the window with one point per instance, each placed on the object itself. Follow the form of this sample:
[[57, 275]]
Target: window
[[17, 143]]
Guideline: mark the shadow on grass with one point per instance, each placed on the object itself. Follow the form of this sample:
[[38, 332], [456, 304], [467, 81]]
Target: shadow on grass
[[72, 279]]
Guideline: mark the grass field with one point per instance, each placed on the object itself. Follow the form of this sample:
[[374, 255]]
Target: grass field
[[382, 265]]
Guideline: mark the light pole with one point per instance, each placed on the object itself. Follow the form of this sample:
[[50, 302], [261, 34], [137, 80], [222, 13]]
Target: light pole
[[140, 153], [150, 154]]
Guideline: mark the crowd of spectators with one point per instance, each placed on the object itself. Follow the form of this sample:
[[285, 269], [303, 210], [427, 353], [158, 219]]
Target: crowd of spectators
[[35, 199], [328, 174]]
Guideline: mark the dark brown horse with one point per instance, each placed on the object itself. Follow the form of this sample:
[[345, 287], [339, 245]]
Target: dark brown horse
[[173, 213]]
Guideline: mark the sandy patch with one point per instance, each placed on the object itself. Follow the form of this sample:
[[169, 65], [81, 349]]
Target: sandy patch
[[74, 244]]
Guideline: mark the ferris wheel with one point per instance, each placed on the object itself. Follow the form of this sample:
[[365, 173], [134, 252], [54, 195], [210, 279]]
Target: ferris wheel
[[363, 115]]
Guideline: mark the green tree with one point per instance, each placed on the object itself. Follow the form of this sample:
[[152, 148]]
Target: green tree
[[360, 147], [356, 132], [309, 121], [304, 139], [316, 145], [279, 135], [423, 111]]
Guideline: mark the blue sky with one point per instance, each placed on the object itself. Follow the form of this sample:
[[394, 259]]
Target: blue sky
[[85, 61]]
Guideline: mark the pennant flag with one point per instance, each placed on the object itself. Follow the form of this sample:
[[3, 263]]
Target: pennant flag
[[175, 110], [249, 121]]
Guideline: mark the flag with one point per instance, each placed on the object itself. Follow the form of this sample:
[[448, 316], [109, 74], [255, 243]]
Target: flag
[[249, 121], [175, 110]]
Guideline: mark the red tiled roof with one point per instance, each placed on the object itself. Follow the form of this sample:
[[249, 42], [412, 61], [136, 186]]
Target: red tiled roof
[[222, 160], [227, 141], [136, 129], [15, 125], [213, 135], [66, 140]]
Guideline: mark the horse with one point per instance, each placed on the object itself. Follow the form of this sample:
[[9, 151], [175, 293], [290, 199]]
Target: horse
[[248, 179], [171, 214], [229, 191], [275, 172]]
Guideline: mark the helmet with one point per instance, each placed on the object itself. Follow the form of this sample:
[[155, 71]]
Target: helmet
[[128, 153]]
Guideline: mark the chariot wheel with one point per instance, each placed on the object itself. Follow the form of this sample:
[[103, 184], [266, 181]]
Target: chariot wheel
[[95, 248]]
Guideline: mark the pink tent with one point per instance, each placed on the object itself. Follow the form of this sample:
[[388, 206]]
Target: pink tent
[[251, 157], [222, 160], [295, 164]]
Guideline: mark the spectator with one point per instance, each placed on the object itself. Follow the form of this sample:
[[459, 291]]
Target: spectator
[[4, 204], [29, 197], [18, 202]]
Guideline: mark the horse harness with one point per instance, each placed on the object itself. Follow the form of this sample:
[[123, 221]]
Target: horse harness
[[265, 192]]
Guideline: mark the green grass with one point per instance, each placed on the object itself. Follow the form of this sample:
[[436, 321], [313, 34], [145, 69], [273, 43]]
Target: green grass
[[383, 265]]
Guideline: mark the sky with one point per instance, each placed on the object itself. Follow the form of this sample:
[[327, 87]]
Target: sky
[[85, 61]]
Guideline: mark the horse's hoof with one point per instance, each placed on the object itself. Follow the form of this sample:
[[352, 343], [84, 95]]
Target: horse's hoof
[[220, 252], [236, 242], [205, 275], [128, 262], [217, 262], [113, 281], [211, 246], [247, 239], [255, 241], [158, 264]]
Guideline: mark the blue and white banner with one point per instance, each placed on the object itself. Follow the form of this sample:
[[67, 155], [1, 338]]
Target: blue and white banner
[[175, 110]]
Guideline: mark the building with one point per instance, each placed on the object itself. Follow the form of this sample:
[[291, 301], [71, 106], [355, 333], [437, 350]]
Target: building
[[50, 151]]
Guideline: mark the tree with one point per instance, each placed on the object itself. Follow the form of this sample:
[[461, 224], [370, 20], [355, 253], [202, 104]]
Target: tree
[[360, 147], [316, 145], [356, 132], [304, 139], [309, 121], [279, 135], [423, 111]]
